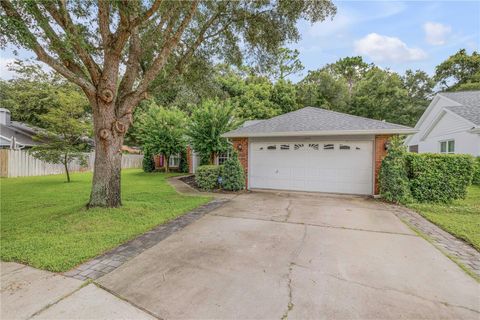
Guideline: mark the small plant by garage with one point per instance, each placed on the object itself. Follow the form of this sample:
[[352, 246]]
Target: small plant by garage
[[206, 177], [232, 174]]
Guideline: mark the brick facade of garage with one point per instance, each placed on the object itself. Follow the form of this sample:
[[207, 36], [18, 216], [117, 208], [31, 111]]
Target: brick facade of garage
[[240, 145], [380, 151]]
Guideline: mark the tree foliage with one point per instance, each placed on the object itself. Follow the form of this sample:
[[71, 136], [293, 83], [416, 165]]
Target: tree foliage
[[66, 133], [393, 177], [162, 131], [320, 89], [207, 123], [34, 93], [281, 64], [460, 71], [114, 51]]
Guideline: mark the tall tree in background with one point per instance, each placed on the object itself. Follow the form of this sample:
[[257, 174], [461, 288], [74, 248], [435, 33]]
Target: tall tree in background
[[34, 93], [65, 137], [460, 71], [381, 95], [162, 131], [320, 89], [114, 50], [207, 124], [352, 69], [419, 86], [281, 64]]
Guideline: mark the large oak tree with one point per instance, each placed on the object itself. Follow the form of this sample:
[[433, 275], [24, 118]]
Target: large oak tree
[[113, 50]]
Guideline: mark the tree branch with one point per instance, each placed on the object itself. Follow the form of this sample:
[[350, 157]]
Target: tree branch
[[42, 55], [148, 14], [62, 17], [104, 21], [170, 44]]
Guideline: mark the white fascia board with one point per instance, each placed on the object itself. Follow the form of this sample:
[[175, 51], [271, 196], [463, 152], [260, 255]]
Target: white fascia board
[[319, 133]]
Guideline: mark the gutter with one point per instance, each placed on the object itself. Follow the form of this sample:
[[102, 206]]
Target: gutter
[[318, 133]]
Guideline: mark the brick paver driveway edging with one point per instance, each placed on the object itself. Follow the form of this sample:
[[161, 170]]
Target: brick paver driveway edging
[[461, 251], [111, 260]]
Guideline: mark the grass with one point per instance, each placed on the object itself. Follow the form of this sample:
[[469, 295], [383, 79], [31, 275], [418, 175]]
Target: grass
[[44, 222], [460, 218]]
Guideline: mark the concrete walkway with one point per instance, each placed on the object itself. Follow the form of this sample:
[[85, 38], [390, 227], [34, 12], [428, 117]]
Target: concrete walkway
[[28, 293], [267, 255]]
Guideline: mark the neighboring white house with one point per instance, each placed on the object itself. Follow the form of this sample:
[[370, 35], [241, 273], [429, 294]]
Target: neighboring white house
[[450, 124]]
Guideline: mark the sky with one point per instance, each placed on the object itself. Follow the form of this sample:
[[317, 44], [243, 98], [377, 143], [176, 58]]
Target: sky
[[398, 35]]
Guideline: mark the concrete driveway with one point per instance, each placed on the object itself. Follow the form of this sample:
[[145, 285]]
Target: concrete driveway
[[268, 255]]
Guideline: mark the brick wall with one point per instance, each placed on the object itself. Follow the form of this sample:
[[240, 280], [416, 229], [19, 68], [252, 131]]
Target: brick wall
[[380, 153], [241, 146]]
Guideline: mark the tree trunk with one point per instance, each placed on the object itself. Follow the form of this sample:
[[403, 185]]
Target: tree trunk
[[108, 156], [65, 163]]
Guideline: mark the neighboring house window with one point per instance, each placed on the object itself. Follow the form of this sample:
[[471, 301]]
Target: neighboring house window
[[447, 146], [222, 157], [413, 148], [174, 160]]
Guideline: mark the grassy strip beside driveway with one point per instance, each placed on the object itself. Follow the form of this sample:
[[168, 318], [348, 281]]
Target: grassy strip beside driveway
[[44, 222], [460, 218]]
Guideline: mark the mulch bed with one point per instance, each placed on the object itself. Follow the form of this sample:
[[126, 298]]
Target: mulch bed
[[190, 180]]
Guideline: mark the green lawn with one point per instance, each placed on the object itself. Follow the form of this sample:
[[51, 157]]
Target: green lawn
[[44, 222], [461, 218]]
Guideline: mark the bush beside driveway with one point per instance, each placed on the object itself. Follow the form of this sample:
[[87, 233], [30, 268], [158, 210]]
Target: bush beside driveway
[[45, 223]]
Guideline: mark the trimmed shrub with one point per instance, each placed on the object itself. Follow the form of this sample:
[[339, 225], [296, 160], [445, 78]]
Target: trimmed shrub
[[183, 165], [206, 176], [148, 163], [476, 172], [233, 176], [393, 178], [439, 177]]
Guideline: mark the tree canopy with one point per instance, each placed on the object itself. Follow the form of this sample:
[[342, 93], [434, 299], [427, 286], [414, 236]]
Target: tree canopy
[[114, 51]]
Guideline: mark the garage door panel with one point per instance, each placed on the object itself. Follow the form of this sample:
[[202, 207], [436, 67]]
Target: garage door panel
[[308, 166]]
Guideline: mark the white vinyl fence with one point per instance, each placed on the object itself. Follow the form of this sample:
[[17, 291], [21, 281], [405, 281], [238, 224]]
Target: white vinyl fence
[[20, 163]]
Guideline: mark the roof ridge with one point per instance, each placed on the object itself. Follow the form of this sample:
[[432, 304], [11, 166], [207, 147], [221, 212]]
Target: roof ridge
[[360, 117]]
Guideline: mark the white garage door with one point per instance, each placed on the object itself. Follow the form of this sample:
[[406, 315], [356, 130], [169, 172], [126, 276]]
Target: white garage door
[[324, 166]]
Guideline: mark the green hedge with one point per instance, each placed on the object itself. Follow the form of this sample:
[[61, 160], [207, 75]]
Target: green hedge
[[148, 164], [206, 176], [393, 178], [476, 172], [439, 177]]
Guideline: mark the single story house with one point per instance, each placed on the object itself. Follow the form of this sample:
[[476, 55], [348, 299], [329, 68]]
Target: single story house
[[450, 124], [14, 134], [314, 149]]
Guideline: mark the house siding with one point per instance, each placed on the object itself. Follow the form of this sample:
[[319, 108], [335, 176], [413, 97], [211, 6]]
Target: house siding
[[448, 127]]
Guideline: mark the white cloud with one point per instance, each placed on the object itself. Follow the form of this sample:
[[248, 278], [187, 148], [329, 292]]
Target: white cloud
[[383, 48], [436, 33], [346, 18]]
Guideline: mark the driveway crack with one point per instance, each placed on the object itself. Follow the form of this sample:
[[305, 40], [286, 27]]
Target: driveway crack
[[295, 254], [391, 289], [289, 210]]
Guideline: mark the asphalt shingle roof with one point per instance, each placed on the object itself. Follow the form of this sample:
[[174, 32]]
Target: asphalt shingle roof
[[466, 98], [472, 114], [311, 119], [470, 105]]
